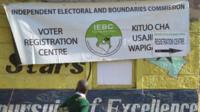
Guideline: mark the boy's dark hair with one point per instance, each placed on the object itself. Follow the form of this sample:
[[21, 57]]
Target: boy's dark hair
[[82, 86]]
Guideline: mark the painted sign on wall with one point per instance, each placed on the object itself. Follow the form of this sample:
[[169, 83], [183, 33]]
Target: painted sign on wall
[[102, 100], [14, 75]]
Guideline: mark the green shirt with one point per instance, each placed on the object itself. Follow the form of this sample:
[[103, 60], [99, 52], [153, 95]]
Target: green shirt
[[75, 103]]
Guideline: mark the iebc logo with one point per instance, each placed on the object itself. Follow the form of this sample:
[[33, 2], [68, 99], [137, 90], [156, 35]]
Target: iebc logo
[[103, 38]]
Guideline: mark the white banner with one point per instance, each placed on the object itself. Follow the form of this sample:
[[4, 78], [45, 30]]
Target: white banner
[[83, 32]]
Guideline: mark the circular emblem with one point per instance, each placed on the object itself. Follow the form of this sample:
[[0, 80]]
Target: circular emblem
[[103, 38]]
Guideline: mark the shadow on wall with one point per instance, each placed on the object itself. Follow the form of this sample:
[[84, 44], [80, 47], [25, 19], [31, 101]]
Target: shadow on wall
[[195, 4], [194, 9]]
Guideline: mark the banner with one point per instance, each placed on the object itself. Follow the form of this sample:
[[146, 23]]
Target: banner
[[84, 32], [102, 100]]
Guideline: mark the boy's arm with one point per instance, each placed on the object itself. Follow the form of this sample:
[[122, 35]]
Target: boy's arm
[[63, 107], [85, 108], [84, 105], [65, 103]]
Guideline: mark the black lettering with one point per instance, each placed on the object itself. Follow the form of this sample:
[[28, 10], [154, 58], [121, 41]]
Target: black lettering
[[50, 31], [47, 69], [26, 42], [162, 27], [146, 27], [66, 65], [14, 60], [30, 69], [78, 68], [57, 68], [131, 48], [40, 31], [141, 47]]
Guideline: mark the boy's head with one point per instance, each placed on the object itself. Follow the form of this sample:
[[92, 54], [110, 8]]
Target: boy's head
[[82, 86]]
